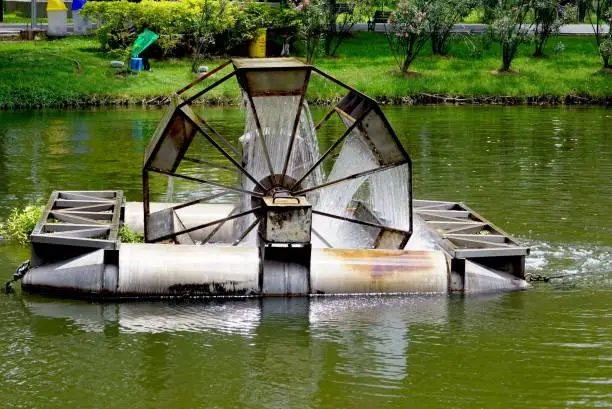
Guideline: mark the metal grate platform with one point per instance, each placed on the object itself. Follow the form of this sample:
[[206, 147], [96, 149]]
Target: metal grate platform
[[81, 219], [462, 233]]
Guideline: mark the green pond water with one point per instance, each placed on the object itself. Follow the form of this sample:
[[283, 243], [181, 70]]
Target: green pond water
[[543, 175]]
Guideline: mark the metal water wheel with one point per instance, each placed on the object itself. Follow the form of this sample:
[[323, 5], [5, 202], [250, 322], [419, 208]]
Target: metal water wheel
[[359, 187]]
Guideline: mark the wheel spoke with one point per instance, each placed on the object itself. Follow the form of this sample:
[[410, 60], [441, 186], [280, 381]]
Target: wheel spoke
[[328, 152], [246, 232], [296, 122], [227, 155], [349, 177], [262, 139], [204, 225], [207, 182]]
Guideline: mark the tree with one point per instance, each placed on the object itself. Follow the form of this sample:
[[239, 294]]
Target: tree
[[510, 28], [603, 17], [341, 17], [407, 31], [205, 28], [312, 16], [547, 23], [443, 15]]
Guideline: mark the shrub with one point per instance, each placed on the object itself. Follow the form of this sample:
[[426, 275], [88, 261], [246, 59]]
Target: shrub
[[602, 9], [510, 28], [547, 20], [408, 31], [443, 15], [338, 25], [128, 236], [313, 23], [176, 22], [21, 223], [195, 27]]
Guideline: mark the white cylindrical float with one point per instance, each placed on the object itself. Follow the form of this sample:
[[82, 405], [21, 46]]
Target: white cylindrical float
[[167, 270]]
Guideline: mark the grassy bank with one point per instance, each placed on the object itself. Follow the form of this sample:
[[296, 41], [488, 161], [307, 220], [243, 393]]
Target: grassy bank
[[72, 72]]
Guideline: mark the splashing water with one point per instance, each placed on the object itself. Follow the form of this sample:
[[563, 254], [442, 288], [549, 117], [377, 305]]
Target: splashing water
[[354, 157], [563, 260], [276, 115]]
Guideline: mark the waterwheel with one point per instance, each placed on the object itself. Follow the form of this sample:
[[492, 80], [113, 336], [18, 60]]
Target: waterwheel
[[348, 189]]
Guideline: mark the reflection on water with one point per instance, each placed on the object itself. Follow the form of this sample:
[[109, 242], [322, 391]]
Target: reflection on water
[[541, 174], [479, 351]]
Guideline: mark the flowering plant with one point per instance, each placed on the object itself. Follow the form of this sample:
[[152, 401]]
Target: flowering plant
[[510, 28], [311, 14], [408, 31]]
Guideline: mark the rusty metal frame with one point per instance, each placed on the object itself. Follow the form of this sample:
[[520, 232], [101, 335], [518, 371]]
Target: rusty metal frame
[[152, 155], [198, 94], [81, 216], [363, 103], [203, 77], [244, 82]]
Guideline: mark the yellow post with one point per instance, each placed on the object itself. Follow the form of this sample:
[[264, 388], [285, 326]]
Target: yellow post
[[257, 46]]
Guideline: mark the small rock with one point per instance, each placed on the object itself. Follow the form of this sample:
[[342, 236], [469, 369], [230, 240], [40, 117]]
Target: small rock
[[117, 64], [202, 68]]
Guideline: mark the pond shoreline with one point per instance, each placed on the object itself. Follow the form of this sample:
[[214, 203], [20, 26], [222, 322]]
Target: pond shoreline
[[417, 99]]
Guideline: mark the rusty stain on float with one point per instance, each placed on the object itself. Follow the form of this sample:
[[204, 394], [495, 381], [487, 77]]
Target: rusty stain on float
[[345, 271]]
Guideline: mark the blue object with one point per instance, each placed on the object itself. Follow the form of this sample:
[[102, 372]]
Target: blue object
[[78, 4], [136, 64]]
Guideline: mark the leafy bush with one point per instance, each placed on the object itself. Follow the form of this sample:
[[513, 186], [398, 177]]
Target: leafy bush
[[443, 15], [128, 236], [510, 28], [20, 224], [408, 31], [185, 26], [339, 25], [313, 24], [548, 16], [603, 13]]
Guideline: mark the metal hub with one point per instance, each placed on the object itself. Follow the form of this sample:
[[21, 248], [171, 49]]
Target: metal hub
[[274, 186]]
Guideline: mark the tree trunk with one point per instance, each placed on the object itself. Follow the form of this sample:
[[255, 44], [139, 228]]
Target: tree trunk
[[606, 61], [437, 44], [539, 50], [409, 56], [506, 57], [582, 9]]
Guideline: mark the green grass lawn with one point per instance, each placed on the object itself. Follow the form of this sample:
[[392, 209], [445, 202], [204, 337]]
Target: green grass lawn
[[43, 73]]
